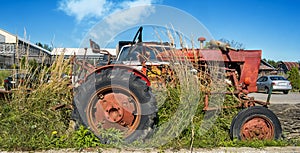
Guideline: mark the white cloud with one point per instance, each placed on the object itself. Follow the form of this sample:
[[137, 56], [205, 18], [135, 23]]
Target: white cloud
[[116, 14], [130, 16], [130, 4], [81, 9], [87, 9]]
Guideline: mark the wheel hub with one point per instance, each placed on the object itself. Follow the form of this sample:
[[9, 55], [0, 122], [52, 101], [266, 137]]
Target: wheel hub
[[257, 128], [117, 108]]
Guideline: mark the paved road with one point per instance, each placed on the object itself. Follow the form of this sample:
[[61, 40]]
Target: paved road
[[278, 97]]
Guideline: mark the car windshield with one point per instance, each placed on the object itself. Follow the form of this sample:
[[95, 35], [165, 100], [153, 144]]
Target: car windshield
[[129, 53], [277, 78]]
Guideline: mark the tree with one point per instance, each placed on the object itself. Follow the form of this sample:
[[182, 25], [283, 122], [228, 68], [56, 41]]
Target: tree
[[45, 46], [233, 43], [272, 62], [294, 77]]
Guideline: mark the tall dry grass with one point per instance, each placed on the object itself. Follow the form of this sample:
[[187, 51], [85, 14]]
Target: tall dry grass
[[37, 108], [180, 100]]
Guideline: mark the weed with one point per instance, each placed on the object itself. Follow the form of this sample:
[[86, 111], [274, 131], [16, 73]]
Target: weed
[[83, 138]]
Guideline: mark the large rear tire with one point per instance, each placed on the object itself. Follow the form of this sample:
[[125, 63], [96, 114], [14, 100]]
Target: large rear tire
[[116, 98], [255, 122]]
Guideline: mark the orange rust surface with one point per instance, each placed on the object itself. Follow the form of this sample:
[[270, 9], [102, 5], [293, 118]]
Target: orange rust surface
[[116, 108], [257, 128], [249, 61]]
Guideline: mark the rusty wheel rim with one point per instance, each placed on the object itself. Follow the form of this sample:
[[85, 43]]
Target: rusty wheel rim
[[257, 127], [122, 110]]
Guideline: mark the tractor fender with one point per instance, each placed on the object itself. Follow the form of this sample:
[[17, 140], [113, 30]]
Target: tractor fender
[[120, 66]]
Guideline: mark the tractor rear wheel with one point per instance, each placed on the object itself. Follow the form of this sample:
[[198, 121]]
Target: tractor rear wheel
[[255, 122], [116, 98]]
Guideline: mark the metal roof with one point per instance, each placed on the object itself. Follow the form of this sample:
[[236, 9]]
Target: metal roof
[[266, 66], [25, 41], [34, 45], [290, 65], [80, 51]]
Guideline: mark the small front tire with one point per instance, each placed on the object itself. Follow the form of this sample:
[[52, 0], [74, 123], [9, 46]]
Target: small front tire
[[255, 122]]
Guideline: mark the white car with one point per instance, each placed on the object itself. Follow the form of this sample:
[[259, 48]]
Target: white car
[[279, 83]]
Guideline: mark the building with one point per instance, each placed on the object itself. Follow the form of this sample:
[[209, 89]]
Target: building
[[13, 48], [82, 53], [287, 66], [266, 69]]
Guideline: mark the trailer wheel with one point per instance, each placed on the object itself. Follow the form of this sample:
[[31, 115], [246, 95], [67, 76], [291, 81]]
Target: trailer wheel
[[255, 122], [116, 98]]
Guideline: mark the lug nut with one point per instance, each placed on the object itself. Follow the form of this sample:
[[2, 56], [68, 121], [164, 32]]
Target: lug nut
[[101, 96]]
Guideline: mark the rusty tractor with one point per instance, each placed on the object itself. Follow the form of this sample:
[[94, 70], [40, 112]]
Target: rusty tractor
[[116, 94], [113, 96]]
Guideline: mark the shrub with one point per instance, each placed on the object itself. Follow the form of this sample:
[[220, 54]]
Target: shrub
[[294, 77]]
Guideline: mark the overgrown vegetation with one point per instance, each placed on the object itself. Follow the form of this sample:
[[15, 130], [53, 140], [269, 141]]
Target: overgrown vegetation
[[40, 118], [30, 115], [37, 115]]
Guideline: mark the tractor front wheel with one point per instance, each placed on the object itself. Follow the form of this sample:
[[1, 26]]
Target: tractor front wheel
[[255, 122]]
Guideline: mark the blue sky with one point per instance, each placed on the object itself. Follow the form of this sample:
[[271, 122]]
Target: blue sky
[[269, 25]]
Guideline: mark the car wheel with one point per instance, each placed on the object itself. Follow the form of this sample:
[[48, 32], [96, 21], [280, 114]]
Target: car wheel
[[285, 92]]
